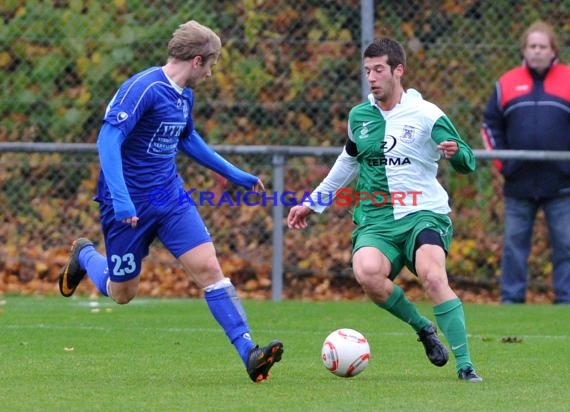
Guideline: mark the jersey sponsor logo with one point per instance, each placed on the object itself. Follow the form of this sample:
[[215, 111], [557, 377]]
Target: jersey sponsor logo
[[388, 161], [381, 148], [388, 144], [165, 139], [408, 134]]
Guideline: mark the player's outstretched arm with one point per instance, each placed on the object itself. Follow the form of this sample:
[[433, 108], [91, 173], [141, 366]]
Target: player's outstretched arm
[[197, 149]]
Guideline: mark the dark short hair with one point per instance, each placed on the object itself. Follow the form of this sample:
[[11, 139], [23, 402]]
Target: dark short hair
[[387, 47]]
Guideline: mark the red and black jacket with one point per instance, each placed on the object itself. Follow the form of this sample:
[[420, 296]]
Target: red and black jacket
[[528, 111]]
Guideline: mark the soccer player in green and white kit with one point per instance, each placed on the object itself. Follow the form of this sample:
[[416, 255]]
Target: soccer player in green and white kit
[[395, 139]]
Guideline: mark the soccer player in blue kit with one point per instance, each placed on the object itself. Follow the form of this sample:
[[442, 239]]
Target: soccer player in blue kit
[[146, 123]]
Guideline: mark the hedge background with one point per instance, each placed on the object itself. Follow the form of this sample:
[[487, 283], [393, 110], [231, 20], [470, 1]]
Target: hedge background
[[289, 73]]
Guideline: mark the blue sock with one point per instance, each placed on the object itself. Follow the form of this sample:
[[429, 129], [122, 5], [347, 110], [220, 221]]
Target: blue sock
[[96, 266], [227, 309]]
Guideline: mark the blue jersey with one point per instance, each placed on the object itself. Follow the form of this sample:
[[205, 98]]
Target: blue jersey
[[146, 123], [152, 115]]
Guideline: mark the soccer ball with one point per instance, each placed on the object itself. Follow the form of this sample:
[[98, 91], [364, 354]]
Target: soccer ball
[[346, 352]]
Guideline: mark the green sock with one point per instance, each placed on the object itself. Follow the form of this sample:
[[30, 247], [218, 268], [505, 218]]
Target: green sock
[[399, 306], [451, 321]]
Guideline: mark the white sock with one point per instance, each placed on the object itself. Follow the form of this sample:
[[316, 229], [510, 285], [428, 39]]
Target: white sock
[[108, 287], [223, 283]]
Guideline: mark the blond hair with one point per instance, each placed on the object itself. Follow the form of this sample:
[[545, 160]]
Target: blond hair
[[541, 27], [193, 39]]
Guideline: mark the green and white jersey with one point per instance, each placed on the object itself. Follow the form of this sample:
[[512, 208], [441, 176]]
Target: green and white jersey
[[396, 161]]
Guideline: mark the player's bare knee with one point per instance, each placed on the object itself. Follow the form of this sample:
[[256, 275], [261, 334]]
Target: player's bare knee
[[372, 276], [208, 272], [202, 265], [369, 264], [121, 300], [123, 293], [435, 283], [212, 266], [369, 273], [365, 274]]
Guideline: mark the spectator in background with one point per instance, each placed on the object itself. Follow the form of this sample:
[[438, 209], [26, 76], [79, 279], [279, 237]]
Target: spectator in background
[[530, 110]]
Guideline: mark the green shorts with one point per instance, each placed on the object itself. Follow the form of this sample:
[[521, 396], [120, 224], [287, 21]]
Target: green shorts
[[397, 240]]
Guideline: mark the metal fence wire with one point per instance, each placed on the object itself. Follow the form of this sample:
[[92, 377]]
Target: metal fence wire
[[289, 73]]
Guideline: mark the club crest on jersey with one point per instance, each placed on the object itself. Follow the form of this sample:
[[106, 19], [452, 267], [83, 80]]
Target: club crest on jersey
[[408, 134], [182, 105]]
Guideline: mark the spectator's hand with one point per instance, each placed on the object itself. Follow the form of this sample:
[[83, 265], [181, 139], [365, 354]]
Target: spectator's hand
[[448, 148], [297, 218]]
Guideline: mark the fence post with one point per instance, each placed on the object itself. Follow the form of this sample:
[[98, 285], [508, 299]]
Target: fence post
[[278, 162], [366, 36]]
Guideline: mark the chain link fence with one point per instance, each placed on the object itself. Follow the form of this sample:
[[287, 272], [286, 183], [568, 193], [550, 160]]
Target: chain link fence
[[288, 75]]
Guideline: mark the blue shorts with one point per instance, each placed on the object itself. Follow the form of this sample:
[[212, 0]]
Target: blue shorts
[[178, 226]]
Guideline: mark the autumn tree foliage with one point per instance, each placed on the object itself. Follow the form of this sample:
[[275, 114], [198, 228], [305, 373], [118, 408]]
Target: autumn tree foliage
[[289, 73]]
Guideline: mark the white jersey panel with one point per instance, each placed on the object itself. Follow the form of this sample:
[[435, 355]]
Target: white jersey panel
[[410, 124]]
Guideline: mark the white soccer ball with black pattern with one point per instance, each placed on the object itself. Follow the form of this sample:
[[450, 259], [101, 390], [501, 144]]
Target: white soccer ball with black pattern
[[346, 352]]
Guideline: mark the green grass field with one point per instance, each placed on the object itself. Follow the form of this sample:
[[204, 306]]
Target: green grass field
[[169, 355]]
